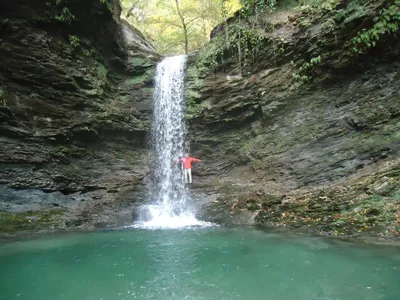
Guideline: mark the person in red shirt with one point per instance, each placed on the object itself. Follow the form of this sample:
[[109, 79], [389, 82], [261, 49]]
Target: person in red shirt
[[187, 167]]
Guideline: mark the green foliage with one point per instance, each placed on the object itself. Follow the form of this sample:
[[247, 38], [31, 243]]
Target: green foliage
[[242, 41], [107, 4], [74, 41], [253, 7], [193, 108], [89, 52], [388, 22], [61, 14], [308, 65], [65, 16], [160, 22], [253, 207], [351, 12], [249, 38], [301, 79], [208, 55], [330, 4], [303, 76]]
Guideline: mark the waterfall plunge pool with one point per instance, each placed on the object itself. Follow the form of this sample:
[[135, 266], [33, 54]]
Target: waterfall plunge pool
[[197, 263]]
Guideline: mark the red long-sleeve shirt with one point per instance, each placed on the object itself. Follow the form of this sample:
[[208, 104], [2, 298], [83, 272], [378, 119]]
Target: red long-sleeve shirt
[[187, 161]]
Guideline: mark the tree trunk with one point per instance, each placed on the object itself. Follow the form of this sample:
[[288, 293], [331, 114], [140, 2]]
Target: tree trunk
[[184, 27]]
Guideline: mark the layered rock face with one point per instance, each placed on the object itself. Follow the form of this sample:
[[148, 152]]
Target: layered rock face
[[305, 121], [75, 100], [301, 131]]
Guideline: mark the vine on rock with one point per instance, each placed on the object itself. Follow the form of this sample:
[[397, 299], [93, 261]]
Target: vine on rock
[[388, 22], [240, 40], [303, 76], [253, 7]]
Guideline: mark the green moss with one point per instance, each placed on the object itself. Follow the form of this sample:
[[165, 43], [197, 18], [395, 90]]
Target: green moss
[[2, 98], [253, 207], [338, 211], [396, 136], [27, 221], [270, 200], [139, 62], [193, 110], [102, 72], [147, 76], [252, 201], [63, 151], [243, 150], [125, 98], [193, 95]]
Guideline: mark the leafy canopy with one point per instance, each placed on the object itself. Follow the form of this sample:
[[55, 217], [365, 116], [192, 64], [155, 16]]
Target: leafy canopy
[[160, 22]]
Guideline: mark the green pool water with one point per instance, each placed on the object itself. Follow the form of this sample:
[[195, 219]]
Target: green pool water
[[209, 263]]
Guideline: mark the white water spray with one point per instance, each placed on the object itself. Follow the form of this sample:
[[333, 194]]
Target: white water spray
[[171, 208]]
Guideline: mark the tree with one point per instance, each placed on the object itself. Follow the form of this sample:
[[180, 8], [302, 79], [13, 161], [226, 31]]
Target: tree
[[177, 26], [184, 26]]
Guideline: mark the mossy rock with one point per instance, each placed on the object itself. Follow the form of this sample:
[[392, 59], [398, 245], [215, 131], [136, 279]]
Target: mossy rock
[[141, 62], [253, 207], [27, 221], [241, 205], [252, 201], [270, 200], [139, 79]]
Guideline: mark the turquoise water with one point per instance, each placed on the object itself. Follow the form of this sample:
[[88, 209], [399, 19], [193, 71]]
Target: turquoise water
[[210, 263]]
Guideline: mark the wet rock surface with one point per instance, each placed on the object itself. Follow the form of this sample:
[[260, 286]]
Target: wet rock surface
[[324, 147], [75, 107], [74, 110]]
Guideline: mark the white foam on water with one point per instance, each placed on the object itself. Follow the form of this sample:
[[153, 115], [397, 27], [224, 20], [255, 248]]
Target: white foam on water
[[158, 218]]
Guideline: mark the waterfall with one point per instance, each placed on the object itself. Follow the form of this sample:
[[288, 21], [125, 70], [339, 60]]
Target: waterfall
[[170, 200], [168, 135]]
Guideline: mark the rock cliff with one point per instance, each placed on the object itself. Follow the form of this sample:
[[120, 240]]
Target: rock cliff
[[75, 101], [299, 124], [295, 114]]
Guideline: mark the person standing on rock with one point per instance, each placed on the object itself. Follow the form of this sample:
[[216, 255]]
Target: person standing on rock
[[187, 167]]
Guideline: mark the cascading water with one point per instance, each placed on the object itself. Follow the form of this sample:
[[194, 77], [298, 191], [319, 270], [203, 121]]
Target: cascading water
[[171, 207]]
